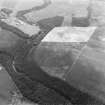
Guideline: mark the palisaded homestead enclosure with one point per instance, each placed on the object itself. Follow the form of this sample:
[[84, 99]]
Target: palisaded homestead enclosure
[[52, 52]]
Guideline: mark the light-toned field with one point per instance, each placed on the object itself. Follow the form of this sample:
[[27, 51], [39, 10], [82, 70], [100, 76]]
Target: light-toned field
[[69, 34]]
